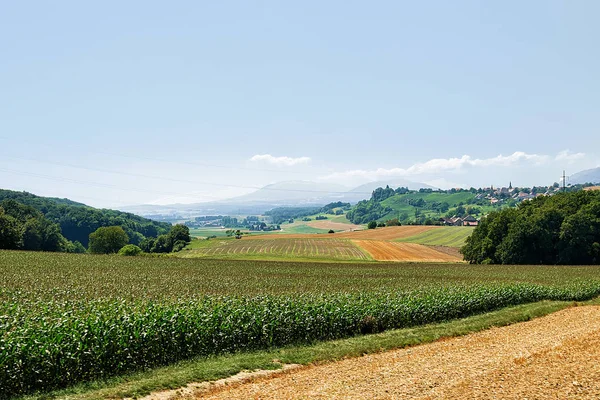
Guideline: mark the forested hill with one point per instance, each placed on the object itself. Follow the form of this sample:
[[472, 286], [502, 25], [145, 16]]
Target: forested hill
[[77, 220]]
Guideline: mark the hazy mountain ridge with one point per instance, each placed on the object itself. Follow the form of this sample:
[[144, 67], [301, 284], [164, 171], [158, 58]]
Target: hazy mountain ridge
[[586, 176], [279, 194]]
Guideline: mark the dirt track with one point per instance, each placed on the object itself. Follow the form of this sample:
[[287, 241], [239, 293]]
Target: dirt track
[[554, 357], [393, 251], [389, 233]]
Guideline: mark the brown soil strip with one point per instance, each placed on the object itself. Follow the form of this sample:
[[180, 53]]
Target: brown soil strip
[[394, 251], [554, 357], [452, 251], [203, 388], [388, 233], [336, 226]]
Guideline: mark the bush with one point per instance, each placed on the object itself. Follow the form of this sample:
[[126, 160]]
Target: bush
[[74, 247], [393, 222], [107, 240], [130, 250], [372, 225], [331, 231]]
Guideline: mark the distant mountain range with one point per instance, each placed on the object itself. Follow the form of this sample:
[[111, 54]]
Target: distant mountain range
[[369, 187], [280, 194], [587, 176]]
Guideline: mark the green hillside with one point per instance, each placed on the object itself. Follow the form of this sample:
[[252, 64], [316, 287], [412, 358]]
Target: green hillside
[[424, 206], [401, 203], [77, 220]]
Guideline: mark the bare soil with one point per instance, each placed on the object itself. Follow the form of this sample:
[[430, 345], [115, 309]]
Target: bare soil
[[453, 251], [394, 251], [553, 357], [336, 226]]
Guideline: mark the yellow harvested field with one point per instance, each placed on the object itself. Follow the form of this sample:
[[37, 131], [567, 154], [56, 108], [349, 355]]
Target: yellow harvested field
[[394, 251], [553, 357], [336, 226], [388, 233], [592, 188]]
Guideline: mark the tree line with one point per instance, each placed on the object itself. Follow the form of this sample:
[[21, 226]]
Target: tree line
[[77, 221], [29, 222], [113, 239], [23, 227], [559, 229]]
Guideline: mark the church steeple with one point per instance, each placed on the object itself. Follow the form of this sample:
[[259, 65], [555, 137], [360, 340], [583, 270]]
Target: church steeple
[[510, 185]]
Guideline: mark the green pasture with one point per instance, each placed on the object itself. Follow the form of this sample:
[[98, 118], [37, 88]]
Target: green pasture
[[450, 236]]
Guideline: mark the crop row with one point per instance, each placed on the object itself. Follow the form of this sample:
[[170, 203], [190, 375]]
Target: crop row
[[334, 249], [52, 344]]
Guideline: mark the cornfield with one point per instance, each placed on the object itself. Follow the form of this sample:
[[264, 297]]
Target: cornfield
[[67, 318]]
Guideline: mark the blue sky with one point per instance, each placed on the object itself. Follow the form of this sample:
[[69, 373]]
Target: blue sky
[[118, 103]]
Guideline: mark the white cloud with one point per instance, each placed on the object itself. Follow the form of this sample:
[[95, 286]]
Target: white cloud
[[282, 161], [568, 156], [441, 165]]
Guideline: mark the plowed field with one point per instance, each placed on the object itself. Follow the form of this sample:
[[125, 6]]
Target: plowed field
[[393, 251], [389, 233], [336, 226]]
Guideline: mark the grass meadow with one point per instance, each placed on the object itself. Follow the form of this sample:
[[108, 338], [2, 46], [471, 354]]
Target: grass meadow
[[450, 236]]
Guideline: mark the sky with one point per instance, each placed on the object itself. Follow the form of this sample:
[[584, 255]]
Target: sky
[[141, 102]]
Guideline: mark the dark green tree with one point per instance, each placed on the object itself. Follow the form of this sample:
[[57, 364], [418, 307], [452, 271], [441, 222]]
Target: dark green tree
[[11, 232], [107, 240], [180, 233], [163, 244], [147, 244]]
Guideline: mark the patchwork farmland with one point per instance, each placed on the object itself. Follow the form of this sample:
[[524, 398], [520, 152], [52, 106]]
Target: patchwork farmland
[[420, 244], [388, 233]]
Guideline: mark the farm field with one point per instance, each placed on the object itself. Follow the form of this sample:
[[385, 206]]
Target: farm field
[[69, 318], [301, 228], [554, 356], [206, 232], [420, 244], [391, 251], [388, 233], [450, 236], [336, 226], [278, 247]]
